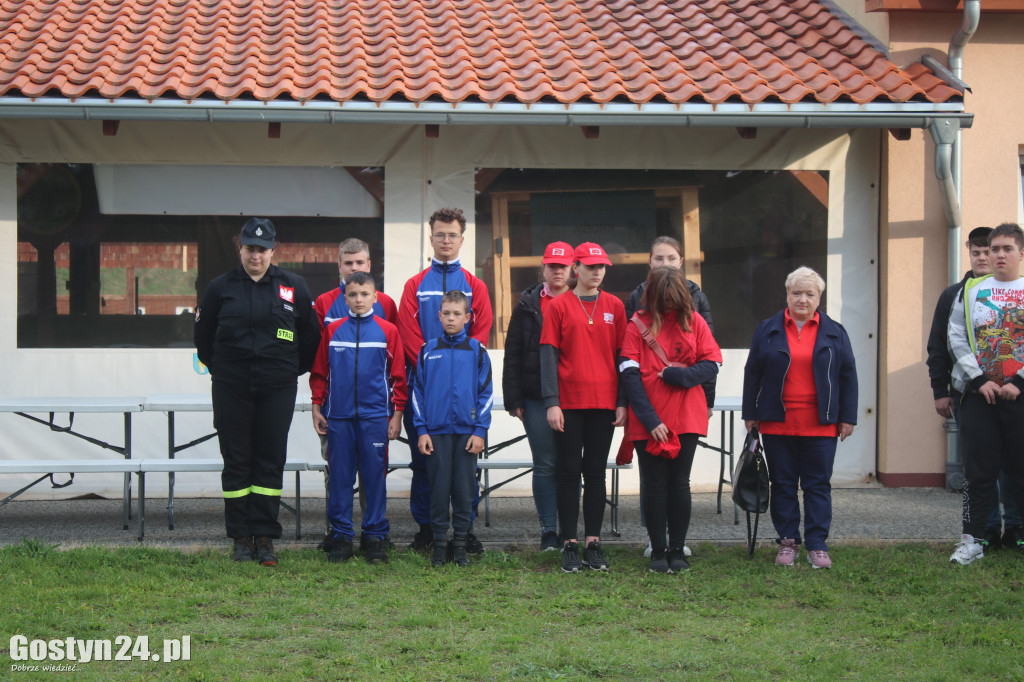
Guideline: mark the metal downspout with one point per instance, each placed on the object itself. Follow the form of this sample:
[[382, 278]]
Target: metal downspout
[[949, 170]]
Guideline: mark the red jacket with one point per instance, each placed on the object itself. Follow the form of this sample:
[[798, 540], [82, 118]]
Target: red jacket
[[678, 400]]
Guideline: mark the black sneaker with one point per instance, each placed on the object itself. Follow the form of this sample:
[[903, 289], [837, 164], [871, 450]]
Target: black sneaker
[[992, 539], [265, 551], [338, 550], [473, 546], [677, 562], [460, 551], [439, 557], [1013, 538], [549, 541], [659, 562], [571, 558], [376, 551], [423, 540], [245, 549], [365, 540], [594, 557]]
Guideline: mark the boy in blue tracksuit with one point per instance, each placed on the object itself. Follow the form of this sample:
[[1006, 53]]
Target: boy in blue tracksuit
[[359, 394], [452, 412]]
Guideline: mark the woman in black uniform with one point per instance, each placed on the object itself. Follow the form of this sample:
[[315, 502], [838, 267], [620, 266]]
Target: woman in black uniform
[[257, 332]]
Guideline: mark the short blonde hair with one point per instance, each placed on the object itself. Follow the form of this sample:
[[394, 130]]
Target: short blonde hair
[[802, 275]]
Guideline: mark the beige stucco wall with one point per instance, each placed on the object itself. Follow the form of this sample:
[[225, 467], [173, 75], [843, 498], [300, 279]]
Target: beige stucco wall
[[913, 230]]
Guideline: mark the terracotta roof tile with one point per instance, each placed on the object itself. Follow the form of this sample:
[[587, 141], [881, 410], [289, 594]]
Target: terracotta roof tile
[[453, 50]]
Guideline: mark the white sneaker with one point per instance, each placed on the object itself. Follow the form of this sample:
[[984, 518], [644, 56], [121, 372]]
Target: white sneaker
[[967, 551], [647, 552], [686, 551]]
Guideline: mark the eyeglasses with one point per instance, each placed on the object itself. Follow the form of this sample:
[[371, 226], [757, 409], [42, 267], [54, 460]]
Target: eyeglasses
[[446, 237]]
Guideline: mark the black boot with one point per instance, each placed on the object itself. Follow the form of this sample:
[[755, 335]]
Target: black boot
[[459, 554], [439, 557]]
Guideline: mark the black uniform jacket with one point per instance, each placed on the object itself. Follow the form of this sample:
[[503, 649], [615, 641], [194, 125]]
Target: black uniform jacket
[[260, 334]]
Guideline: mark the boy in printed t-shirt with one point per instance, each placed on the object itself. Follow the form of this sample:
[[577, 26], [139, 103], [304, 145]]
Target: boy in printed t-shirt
[[986, 339]]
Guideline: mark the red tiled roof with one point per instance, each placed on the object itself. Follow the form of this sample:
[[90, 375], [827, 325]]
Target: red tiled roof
[[676, 51]]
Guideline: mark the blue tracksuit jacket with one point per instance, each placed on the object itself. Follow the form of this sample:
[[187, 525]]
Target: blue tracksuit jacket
[[453, 391]]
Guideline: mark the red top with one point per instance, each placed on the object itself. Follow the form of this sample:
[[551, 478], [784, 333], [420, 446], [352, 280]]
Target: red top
[[799, 393], [586, 352], [682, 410]]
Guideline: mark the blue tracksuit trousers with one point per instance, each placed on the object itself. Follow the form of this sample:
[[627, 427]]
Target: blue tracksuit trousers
[[357, 446]]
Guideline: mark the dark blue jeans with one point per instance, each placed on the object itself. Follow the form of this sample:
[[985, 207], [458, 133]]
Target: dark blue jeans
[[545, 457], [805, 462]]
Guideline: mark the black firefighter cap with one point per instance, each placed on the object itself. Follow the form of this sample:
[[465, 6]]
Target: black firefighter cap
[[259, 232]]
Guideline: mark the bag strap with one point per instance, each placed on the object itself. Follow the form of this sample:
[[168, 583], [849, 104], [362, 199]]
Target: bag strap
[[649, 338]]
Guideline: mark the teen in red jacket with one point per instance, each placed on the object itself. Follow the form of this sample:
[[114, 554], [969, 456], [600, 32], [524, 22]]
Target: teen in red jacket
[[668, 410]]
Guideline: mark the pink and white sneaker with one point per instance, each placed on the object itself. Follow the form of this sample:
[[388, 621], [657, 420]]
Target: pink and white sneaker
[[818, 558], [788, 552]]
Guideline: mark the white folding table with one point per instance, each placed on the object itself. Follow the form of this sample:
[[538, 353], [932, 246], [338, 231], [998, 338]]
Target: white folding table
[[172, 403], [29, 407]]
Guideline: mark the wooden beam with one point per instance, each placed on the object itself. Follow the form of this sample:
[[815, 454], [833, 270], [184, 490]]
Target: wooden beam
[[591, 132], [988, 6], [432, 130], [747, 134], [814, 183], [692, 253], [371, 181], [110, 128], [502, 270], [901, 134], [274, 130], [484, 178]]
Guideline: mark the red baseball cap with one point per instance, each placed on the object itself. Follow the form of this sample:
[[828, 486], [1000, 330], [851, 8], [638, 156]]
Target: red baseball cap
[[590, 253], [558, 253]]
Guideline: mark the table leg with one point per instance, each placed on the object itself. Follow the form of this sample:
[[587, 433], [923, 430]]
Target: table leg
[[170, 474], [141, 521], [615, 503], [127, 493], [298, 508]]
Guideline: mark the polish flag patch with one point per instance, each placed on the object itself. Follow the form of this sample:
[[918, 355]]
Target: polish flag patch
[[287, 293]]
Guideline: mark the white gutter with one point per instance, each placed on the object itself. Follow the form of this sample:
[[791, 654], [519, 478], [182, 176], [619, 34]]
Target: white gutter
[[949, 170], [811, 115], [957, 47]]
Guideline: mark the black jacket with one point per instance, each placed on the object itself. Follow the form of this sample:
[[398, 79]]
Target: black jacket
[[257, 334], [703, 308], [940, 362], [521, 374]]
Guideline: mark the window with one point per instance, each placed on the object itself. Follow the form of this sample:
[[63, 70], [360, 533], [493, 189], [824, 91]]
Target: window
[[92, 275], [741, 232]]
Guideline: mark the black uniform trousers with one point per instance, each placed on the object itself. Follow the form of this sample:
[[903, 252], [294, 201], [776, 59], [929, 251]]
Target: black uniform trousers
[[252, 427]]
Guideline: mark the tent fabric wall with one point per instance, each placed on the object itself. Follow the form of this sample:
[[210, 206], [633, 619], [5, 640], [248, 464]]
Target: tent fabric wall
[[421, 175]]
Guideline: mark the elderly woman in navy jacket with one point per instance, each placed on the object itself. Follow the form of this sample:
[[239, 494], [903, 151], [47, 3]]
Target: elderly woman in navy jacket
[[800, 390]]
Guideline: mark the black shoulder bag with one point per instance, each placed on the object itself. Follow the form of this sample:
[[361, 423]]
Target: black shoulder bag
[[750, 487]]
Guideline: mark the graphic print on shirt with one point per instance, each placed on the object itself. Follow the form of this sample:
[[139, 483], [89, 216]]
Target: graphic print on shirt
[[998, 320]]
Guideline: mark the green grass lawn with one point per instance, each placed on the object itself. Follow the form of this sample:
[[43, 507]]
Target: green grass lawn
[[892, 612]]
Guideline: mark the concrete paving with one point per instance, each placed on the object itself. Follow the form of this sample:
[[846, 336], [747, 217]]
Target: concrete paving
[[860, 515]]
